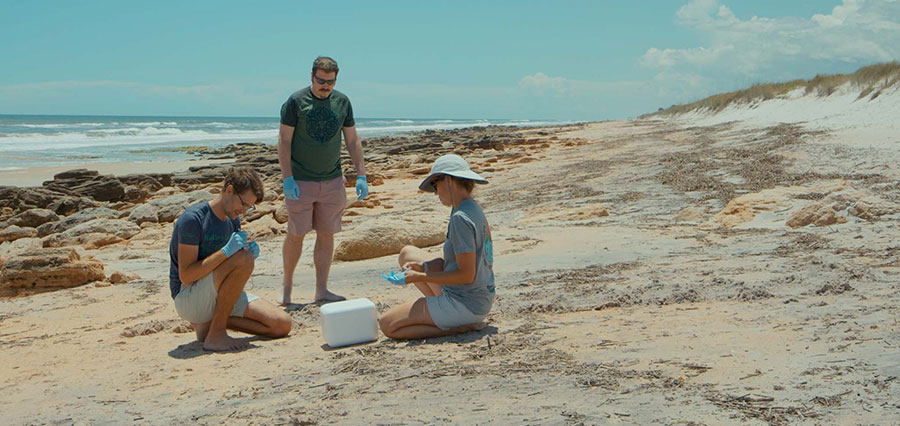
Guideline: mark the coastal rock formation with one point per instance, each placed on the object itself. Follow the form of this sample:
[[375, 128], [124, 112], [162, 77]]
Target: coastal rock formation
[[816, 214], [21, 199], [88, 183], [31, 218], [69, 205], [143, 213], [95, 233], [281, 214], [264, 227], [14, 232], [384, 235], [151, 182], [102, 188], [169, 208], [49, 268], [22, 245], [118, 277], [746, 207], [77, 218]]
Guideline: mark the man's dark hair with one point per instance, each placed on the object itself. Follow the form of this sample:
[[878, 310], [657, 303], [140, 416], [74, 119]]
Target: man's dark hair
[[326, 64], [244, 178]]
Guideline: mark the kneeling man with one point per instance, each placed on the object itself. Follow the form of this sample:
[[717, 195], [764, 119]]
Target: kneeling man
[[211, 261]]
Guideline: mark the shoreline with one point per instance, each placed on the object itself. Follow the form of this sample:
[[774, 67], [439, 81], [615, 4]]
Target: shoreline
[[35, 176]]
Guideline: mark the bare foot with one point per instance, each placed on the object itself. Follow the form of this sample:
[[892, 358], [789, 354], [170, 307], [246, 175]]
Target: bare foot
[[328, 296], [224, 342]]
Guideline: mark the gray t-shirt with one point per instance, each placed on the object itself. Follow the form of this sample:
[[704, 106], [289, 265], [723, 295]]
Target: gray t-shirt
[[469, 232]]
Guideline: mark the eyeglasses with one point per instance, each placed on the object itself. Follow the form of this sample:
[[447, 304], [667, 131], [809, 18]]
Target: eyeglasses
[[324, 81], [247, 208]]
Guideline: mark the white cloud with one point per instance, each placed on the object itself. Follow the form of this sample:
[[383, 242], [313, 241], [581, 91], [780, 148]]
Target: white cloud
[[541, 84], [755, 49]]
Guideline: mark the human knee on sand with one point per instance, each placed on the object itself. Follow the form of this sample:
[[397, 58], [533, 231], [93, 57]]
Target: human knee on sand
[[211, 260], [458, 287], [309, 154]]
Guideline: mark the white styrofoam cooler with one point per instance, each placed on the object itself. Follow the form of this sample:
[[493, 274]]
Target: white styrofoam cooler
[[349, 322]]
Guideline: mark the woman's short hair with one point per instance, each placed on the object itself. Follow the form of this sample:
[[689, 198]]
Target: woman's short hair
[[468, 184]]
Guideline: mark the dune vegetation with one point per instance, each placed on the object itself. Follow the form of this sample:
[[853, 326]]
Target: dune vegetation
[[871, 81]]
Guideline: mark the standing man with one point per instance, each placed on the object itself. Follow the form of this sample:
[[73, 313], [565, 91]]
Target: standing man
[[309, 152], [211, 261]]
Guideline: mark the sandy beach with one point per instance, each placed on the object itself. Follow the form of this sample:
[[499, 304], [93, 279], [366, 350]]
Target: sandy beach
[[654, 271]]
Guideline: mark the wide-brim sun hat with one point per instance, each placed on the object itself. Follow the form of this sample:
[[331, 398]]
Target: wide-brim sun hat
[[450, 165]]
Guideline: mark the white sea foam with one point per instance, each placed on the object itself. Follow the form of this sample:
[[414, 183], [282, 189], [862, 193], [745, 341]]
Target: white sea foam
[[126, 136]]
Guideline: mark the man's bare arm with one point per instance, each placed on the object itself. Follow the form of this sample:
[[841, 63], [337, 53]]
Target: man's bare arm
[[190, 270], [354, 147], [285, 134]]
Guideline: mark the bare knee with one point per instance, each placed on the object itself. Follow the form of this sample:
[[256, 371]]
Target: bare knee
[[244, 260], [294, 239], [405, 254], [282, 326], [387, 328]]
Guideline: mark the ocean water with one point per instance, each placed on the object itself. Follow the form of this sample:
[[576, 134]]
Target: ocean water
[[54, 140]]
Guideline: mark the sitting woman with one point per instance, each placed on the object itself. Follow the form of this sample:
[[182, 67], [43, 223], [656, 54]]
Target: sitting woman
[[458, 287]]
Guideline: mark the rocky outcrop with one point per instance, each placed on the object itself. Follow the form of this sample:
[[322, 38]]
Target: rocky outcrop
[[75, 219], [22, 199], [14, 232], [384, 235], [95, 233], [143, 213], [118, 277], [816, 214], [281, 214], [150, 182], [264, 227], [89, 183], [49, 268], [17, 247], [31, 218], [169, 208]]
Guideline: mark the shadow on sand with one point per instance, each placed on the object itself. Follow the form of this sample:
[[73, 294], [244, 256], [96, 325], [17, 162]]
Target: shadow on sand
[[195, 349], [467, 337]]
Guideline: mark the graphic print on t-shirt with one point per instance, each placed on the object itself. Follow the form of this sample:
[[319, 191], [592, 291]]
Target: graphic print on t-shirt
[[321, 123]]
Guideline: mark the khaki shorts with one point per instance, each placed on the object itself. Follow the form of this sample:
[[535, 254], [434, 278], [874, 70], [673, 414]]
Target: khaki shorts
[[320, 207], [197, 301]]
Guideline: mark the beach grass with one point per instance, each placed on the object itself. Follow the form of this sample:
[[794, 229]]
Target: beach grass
[[871, 80]]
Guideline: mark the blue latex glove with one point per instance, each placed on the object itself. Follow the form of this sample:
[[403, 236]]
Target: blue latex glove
[[362, 187], [254, 249], [291, 190], [237, 241], [396, 278]]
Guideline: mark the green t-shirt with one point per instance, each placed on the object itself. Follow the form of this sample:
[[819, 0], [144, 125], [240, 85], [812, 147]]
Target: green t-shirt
[[317, 123]]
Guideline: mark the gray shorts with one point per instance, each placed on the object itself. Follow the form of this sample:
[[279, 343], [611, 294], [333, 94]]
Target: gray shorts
[[448, 313], [197, 301]]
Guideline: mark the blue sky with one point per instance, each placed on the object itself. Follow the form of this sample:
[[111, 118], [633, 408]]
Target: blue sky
[[567, 60]]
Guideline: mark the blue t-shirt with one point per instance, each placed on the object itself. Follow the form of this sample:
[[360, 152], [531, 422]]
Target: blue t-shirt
[[469, 232], [198, 226]]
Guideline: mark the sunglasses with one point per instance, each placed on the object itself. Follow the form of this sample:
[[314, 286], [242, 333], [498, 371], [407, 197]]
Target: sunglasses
[[433, 182], [247, 208], [324, 81]]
